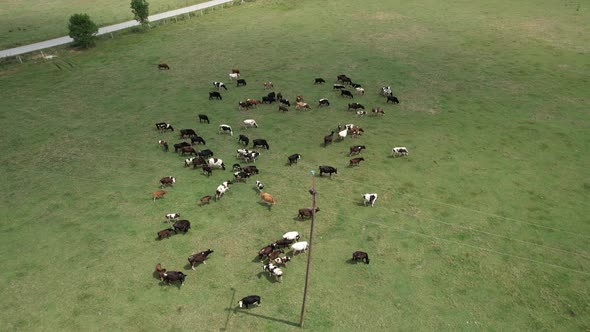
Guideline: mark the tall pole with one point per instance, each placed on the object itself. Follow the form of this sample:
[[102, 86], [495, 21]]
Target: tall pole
[[312, 192]]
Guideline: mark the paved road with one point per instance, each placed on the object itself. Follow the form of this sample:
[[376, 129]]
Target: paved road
[[108, 29]]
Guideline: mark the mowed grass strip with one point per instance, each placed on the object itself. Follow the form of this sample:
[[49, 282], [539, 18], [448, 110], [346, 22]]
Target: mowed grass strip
[[481, 226]]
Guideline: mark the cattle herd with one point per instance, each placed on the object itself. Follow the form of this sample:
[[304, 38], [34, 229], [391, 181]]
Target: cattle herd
[[272, 256]]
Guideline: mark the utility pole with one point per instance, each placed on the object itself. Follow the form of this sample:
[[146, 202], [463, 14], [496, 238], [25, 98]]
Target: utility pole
[[313, 207]]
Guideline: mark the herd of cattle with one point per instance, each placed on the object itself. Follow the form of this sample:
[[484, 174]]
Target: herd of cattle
[[269, 255]]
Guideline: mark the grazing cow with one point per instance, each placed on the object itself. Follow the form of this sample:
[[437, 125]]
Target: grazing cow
[[267, 198], [241, 176], [275, 254], [360, 256], [282, 243], [342, 134], [282, 260], [392, 99], [251, 169], [323, 102], [172, 216], [158, 194], [215, 94], [399, 151], [189, 162], [355, 106], [338, 87], [344, 79], [283, 109], [266, 250], [198, 140], [244, 140], [355, 85], [188, 149], [259, 186], [386, 91], [161, 126], [319, 80], [234, 76], [268, 99], [294, 158], [361, 113], [160, 271], [205, 153], [223, 128], [199, 161], [241, 82], [355, 161], [285, 102], [203, 118], [328, 169], [249, 300], [216, 162], [356, 149], [236, 167], [299, 247], [328, 138], [182, 225], [220, 191], [293, 235], [165, 233], [249, 123], [204, 200], [173, 276], [167, 181], [260, 142], [272, 95], [306, 213], [273, 271], [268, 85], [187, 133], [247, 155], [377, 111], [360, 91], [199, 257], [164, 145], [179, 146], [219, 85], [370, 198], [346, 93], [242, 105], [207, 170], [253, 102], [163, 66], [301, 105]]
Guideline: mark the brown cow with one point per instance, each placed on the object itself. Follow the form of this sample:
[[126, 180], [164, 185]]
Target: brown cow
[[160, 271], [166, 233], [163, 66], [300, 105], [204, 200], [356, 149], [377, 111], [306, 212], [235, 71], [299, 99], [199, 257], [188, 149], [167, 181], [275, 254], [355, 161], [267, 198], [158, 194], [268, 85]]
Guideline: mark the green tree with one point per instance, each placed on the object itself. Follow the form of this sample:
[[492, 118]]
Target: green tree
[[82, 30], [141, 11]]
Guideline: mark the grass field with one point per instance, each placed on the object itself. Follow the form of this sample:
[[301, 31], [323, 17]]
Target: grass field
[[483, 226], [28, 21]]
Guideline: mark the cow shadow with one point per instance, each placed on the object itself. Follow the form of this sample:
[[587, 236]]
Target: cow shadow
[[269, 206], [360, 204], [267, 276], [156, 275], [256, 259], [175, 284], [188, 266]]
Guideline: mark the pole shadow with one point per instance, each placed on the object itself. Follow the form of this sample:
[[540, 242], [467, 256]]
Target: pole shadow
[[278, 320]]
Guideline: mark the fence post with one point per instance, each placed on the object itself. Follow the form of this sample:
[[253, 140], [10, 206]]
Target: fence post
[[19, 59]]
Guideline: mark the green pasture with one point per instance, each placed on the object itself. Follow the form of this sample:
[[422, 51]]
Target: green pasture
[[29, 21], [484, 226]]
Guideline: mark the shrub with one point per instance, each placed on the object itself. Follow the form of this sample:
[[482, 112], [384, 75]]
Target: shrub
[[141, 11], [82, 30]]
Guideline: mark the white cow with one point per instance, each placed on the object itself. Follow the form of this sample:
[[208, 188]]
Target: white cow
[[299, 246], [249, 123], [234, 75], [342, 134], [370, 198], [291, 236], [172, 216], [399, 151], [386, 91], [221, 189], [360, 91]]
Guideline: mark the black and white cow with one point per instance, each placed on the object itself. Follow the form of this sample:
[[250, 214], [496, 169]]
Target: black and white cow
[[249, 300], [338, 87], [173, 276], [219, 85], [328, 169], [259, 185], [386, 91], [214, 162], [223, 128], [285, 102], [161, 126], [172, 216], [294, 158], [399, 151], [370, 199], [323, 102]]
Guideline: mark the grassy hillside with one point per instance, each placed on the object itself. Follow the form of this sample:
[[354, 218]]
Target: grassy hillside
[[483, 225]]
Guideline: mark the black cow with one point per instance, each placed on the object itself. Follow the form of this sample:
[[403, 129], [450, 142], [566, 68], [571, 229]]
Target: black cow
[[259, 142], [283, 109], [268, 99], [182, 225], [207, 170], [319, 81], [250, 169], [205, 153], [215, 94], [198, 162], [328, 169], [241, 82], [203, 118], [199, 257], [355, 106], [344, 93], [236, 168], [360, 256], [392, 99], [187, 133], [198, 140], [328, 138], [285, 102], [161, 126], [178, 146], [294, 158], [241, 175], [249, 300], [173, 276], [244, 140]]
